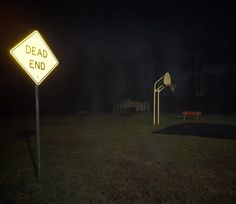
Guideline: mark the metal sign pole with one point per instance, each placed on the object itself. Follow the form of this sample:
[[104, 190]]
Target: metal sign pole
[[37, 131]]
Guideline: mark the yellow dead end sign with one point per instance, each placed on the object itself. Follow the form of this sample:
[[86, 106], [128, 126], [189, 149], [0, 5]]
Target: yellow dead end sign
[[35, 57]]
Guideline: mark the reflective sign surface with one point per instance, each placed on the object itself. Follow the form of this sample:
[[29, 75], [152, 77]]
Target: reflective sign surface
[[35, 57]]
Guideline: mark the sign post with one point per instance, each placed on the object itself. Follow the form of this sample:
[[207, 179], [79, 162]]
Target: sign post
[[37, 131], [36, 58]]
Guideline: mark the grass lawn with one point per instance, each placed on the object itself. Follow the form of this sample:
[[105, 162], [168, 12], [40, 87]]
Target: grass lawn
[[108, 158]]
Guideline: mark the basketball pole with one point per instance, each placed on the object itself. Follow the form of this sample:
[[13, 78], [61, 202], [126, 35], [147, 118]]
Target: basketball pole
[[157, 88], [154, 106], [158, 107]]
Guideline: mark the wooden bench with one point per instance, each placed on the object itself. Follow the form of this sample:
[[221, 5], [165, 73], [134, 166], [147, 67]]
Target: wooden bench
[[195, 114]]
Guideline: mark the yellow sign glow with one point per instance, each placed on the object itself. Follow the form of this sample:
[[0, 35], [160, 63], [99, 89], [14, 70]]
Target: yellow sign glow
[[35, 57]]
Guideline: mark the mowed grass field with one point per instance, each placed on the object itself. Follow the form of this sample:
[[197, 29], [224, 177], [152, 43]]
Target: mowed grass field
[[108, 158]]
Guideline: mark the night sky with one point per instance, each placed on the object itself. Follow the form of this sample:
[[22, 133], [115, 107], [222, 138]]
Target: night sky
[[108, 51]]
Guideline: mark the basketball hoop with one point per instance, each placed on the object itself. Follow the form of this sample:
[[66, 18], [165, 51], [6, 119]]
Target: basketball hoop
[[159, 85]]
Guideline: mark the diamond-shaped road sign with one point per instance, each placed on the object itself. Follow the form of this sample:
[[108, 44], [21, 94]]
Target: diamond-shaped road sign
[[35, 57]]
